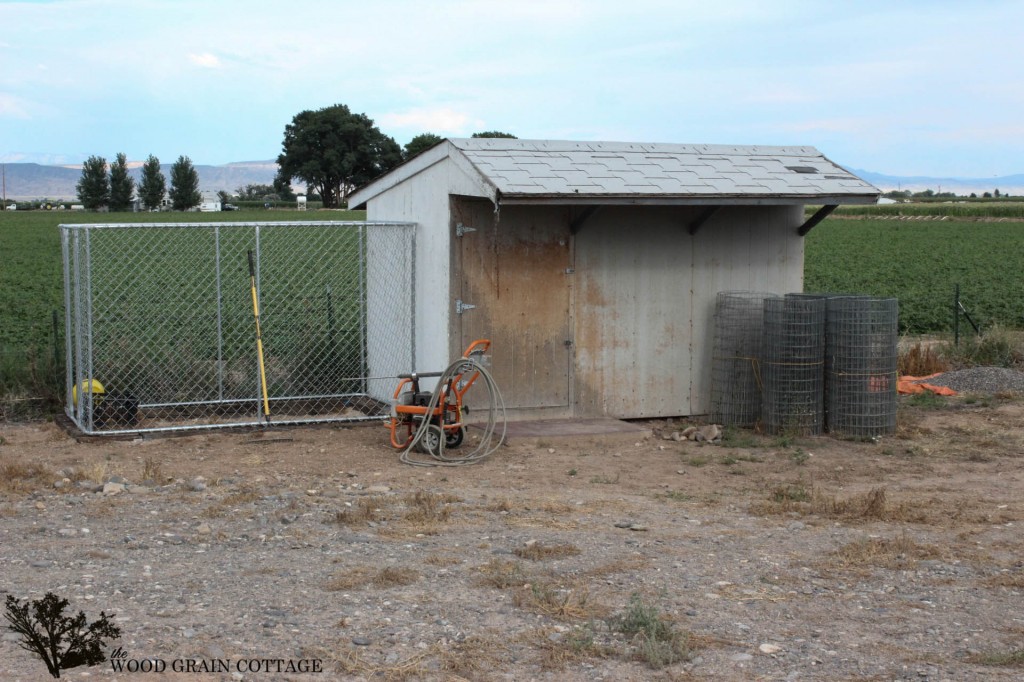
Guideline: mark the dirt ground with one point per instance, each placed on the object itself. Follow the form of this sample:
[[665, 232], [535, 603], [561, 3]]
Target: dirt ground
[[624, 557]]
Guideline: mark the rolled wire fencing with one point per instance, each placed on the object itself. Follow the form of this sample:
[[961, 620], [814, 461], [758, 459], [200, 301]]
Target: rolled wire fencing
[[793, 367], [736, 389], [805, 363], [161, 333], [862, 365]]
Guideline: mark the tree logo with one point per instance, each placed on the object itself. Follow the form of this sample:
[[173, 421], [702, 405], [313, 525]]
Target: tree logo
[[61, 641]]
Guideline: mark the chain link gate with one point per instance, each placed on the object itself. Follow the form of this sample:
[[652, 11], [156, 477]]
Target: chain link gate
[[161, 334]]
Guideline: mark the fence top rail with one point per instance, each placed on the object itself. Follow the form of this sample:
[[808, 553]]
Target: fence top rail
[[248, 223]]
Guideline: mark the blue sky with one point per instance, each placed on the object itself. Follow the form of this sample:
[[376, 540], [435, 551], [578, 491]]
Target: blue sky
[[899, 87]]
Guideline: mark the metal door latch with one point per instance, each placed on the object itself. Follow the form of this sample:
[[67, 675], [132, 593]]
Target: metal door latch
[[461, 307]]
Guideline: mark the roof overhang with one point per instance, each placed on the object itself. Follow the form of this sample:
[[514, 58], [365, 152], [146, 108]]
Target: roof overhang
[[690, 200]]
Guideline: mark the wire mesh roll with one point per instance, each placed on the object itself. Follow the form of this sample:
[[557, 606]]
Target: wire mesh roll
[[735, 368], [793, 366], [862, 365]]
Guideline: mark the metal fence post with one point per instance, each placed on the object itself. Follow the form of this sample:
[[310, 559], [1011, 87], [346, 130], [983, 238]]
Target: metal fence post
[[956, 314]]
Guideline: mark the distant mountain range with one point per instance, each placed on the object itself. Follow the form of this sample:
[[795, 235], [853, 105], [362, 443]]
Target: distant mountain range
[[36, 181], [1006, 184], [39, 181]]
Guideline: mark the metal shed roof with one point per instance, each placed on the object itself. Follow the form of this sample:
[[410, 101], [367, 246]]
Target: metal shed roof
[[562, 172]]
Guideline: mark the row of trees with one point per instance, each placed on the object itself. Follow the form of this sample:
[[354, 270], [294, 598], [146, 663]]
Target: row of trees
[[115, 189], [334, 151]]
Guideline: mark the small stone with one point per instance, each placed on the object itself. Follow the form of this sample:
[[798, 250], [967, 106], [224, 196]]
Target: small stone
[[796, 525], [40, 505], [361, 641], [203, 529], [624, 524], [740, 658], [113, 488], [378, 489], [638, 527], [67, 532], [551, 451], [769, 649], [197, 485]]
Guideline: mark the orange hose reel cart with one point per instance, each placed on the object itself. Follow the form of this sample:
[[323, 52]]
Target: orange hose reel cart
[[410, 407]]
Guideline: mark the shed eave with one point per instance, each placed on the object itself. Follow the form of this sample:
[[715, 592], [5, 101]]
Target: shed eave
[[399, 174], [687, 200]]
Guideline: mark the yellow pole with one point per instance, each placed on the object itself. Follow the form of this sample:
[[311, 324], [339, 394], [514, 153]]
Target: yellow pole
[[259, 336]]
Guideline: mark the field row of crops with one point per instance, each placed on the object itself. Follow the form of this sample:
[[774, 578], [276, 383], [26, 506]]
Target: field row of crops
[[920, 263]]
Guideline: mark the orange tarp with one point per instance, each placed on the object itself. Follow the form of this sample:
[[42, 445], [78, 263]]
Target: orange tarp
[[908, 385]]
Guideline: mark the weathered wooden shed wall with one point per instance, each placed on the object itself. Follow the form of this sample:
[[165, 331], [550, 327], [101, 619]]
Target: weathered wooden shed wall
[[645, 295]]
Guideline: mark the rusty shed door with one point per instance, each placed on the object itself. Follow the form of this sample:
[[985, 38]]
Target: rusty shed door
[[516, 272]]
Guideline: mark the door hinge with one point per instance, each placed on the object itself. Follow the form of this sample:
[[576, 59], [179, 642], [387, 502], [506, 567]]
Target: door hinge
[[461, 229], [461, 307]]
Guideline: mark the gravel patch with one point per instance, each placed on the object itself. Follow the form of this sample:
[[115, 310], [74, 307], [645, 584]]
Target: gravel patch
[[982, 380]]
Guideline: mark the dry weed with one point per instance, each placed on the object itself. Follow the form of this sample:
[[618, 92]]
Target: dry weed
[[411, 668], [541, 552], [502, 574], [366, 509], [869, 506], [16, 477], [475, 655], [570, 602], [898, 553], [361, 576]]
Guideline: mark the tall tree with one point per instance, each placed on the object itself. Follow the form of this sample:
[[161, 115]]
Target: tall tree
[[495, 133], [283, 187], [335, 151], [420, 144], [154, 185], [184, 192], [94, 188], [122, 185]]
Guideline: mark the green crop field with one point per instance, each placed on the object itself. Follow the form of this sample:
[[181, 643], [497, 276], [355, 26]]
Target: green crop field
[[920, 262], [32, 291]]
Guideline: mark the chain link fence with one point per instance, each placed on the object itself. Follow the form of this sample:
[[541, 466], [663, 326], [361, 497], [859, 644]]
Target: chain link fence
[[161, 331]]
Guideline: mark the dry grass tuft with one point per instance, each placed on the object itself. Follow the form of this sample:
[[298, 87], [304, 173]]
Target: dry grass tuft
[[360, 576], [474, 656], [1011, 580], [870, 506], [412, 668], [540, 552], [502, 574], [424, 507], [440, 560], [898, 553], [16, 477], [918, 361], [571, 601], [365, 510]]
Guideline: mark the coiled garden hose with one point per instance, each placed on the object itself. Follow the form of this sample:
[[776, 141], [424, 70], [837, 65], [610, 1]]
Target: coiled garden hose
[[495, 413]]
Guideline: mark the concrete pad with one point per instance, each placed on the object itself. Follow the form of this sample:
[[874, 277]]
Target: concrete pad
[[544, 428]]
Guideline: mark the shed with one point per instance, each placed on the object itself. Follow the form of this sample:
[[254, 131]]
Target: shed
[[594, 266]]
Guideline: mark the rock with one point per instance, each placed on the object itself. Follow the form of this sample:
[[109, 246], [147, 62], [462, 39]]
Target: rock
[[638, 527], [740, 658], [203, 529], [769, 649], [197, 485], [709, 433], [113, 488], [40, 506], [90, 486], [362, 641], [378, 489], [67, 532], [624, 524]]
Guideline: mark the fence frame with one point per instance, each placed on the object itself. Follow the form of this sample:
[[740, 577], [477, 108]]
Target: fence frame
[[79, 299]]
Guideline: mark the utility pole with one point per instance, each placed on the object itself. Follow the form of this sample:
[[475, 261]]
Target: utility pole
[[3, 167]]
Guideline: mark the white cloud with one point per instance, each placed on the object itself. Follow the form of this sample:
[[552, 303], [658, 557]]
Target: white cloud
[[433, 120], [205, 60]]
